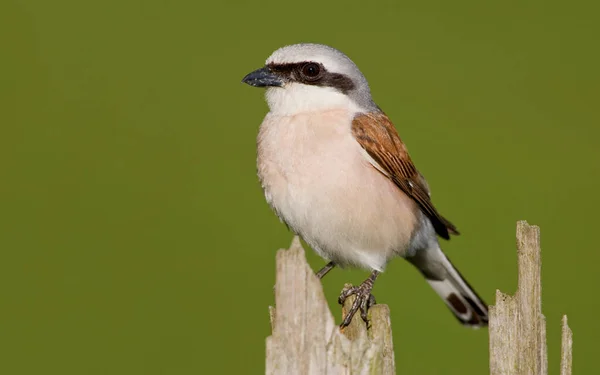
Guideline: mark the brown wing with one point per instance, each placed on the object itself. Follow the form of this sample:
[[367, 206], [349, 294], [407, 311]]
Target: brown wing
[[378, 136]]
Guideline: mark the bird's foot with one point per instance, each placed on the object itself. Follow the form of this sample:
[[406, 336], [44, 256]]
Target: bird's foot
[[364, 299]]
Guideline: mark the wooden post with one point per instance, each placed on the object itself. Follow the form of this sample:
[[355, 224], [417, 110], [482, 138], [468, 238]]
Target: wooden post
[[305, 338], [517, 326], [566, 357]]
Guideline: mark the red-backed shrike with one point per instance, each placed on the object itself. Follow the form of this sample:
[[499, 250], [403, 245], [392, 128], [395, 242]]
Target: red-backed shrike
[[334, 169]]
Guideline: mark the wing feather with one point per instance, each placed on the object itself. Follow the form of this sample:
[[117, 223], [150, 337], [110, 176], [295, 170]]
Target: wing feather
[[379, 138]]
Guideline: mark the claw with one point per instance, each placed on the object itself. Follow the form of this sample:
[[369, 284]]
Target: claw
[[347, 292], [364, 306], [364, 299], [372, 300]]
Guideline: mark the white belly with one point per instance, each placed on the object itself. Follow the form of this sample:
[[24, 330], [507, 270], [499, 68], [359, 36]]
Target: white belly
[[317, 180]]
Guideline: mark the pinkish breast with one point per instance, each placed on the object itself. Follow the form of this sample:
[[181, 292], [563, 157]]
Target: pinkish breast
[[317, 179]]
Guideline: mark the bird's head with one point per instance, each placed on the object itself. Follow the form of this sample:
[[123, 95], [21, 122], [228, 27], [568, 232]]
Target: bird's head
[[311, 77]]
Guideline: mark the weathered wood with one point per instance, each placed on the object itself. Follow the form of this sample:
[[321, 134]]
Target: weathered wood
[[305, 338], [379, 330], [566, 358], [517, 326]]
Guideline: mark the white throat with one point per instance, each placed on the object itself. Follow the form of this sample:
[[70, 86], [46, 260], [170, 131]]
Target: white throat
[[296, 98]]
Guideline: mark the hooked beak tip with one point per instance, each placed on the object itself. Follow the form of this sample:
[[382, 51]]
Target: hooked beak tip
[[263, 77]]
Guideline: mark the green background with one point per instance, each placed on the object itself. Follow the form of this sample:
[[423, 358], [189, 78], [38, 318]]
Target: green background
[[134, 237]]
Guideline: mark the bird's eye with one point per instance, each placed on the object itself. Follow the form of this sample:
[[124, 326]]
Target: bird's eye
[[311, 71]]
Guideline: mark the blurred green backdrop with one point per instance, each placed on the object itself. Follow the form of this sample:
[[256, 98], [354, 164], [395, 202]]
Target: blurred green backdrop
[[134, 236]]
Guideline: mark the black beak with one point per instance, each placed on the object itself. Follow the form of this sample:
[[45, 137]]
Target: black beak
[[263, 77]]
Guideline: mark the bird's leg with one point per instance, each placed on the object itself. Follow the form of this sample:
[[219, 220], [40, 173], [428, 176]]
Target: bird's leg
[[364, 299], [323, 271]]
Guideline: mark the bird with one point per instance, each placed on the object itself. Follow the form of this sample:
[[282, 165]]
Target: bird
[[335, 171]]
